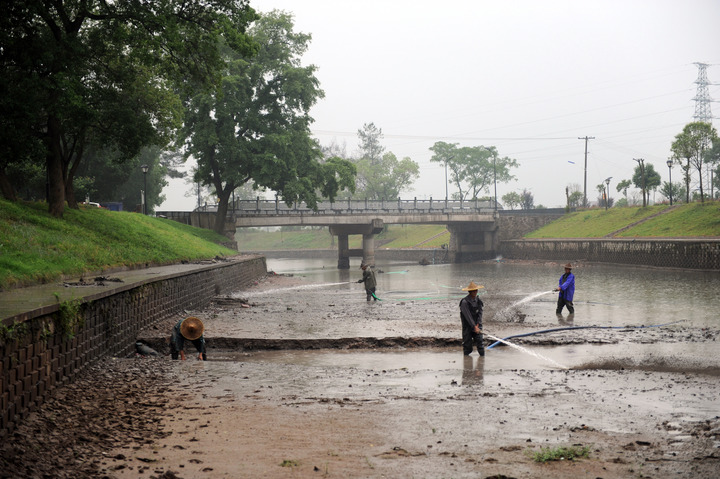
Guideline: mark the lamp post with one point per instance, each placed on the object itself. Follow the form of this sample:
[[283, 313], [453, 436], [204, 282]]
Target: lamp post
[[446, 184], [670, 163], [607, 192], [495, 183], [144, 169]]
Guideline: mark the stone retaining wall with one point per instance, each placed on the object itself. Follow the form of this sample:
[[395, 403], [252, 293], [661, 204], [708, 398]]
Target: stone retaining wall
[[51, 345], [663, 253]]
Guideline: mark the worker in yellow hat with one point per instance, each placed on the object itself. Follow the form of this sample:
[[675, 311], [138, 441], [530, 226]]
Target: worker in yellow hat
[[188, 329], [471, 312]]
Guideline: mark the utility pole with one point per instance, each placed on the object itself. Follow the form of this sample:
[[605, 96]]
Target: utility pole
[[641, 162], [586, 138]]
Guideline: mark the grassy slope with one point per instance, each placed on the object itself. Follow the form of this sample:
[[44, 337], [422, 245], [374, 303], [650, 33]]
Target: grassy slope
[[691, 220], [35, 247]]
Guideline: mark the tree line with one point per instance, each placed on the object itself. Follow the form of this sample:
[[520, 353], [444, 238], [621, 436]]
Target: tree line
[[104, 99]]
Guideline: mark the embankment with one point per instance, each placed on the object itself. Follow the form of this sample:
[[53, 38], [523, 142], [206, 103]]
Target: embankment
[[49, 345]]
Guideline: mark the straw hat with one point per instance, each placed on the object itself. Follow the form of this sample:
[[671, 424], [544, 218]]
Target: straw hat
[[568, 266], [191, 328], [472, 287]]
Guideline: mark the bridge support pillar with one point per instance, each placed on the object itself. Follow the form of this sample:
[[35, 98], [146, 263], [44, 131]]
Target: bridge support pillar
[[368, 245], [472, 241], [343, 259]]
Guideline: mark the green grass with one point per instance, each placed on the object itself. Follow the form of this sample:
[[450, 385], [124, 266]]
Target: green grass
[[690, 220], [560, 453], [37, 248], [695, 219]]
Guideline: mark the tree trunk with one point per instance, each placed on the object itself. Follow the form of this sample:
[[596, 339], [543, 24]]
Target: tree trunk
[[70, 175], [6, 188], [54, 165], [223, 200]]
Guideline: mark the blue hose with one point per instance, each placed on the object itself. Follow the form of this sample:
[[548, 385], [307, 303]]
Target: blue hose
[[579, 327]]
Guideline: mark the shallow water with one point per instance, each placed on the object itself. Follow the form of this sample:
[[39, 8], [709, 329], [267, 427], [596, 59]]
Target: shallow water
[[605, 294]]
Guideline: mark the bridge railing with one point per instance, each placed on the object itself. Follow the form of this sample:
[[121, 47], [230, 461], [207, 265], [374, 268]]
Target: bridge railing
[[277, 207]]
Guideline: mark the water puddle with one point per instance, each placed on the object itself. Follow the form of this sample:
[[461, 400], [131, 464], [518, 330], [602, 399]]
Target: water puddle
[[644, 357]]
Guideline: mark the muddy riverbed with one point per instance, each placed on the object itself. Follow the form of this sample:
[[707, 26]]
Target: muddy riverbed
[[311, 381]]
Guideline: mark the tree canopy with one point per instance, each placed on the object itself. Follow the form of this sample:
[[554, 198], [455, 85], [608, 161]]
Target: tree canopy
[[473, 169], [693, 145], [78, 75], [381, 175], [255, 127]]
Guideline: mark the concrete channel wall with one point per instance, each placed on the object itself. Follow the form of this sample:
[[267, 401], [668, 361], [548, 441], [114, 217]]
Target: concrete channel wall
[[663, 253], [47, 347]]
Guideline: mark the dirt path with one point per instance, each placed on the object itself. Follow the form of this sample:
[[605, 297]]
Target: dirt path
[[155, 418]]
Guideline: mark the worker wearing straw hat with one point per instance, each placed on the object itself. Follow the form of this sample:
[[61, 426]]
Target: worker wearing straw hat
[[190, 329], [471, 312]]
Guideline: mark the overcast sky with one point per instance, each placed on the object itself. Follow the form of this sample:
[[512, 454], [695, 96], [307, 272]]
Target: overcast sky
[[528, 77]]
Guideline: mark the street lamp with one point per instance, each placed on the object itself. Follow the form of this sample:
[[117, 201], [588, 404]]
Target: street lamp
[[607, 192], [144, 169], [446, 184], [670, 163], [495, 182]]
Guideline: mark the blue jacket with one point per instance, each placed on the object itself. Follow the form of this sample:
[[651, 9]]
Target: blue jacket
[[567, 286]]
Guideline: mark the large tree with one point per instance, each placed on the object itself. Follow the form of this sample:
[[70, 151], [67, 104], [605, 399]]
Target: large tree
[[381, 175], [473, 169], [80, 74], [692, 146], [255, 127]]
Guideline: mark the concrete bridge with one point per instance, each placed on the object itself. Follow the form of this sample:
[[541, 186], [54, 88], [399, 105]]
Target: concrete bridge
[[473, 225]]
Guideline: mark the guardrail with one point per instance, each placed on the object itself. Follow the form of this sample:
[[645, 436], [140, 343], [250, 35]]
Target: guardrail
[[276, 207]]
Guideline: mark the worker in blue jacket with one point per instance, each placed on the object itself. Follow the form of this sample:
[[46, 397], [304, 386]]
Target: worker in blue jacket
[[566, 287]]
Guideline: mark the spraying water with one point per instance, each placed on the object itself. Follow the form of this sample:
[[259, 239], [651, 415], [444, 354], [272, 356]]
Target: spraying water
[[505, 312], [527, 351]]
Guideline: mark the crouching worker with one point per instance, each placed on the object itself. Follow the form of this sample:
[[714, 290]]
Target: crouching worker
[[190, 329]]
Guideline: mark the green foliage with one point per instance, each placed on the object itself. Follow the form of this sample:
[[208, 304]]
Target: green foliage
[[290, 463], [75, 75], [560, 453], [12, 333], [692, 148], [36, 247], [473, 169], [512, 200], [254, 128], [381, 175], [70, 317]]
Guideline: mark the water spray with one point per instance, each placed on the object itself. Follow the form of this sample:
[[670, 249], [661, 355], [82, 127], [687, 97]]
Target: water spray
[[524, 350]]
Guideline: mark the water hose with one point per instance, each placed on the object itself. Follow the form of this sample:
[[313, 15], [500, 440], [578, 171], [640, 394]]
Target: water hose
[[581, 327]]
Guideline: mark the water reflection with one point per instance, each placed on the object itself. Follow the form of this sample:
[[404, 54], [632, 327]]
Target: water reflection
[[473, 367]]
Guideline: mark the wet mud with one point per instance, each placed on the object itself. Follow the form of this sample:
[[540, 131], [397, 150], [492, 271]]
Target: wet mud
[[322, 384]]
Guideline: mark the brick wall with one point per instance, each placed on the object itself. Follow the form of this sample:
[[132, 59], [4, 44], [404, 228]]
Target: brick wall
[[49, 348], [663, 253]]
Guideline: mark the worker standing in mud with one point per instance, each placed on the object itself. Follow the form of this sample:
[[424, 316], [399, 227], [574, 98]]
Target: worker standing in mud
[[370, 282], [471, 313], [190, 329], [566, 287]]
